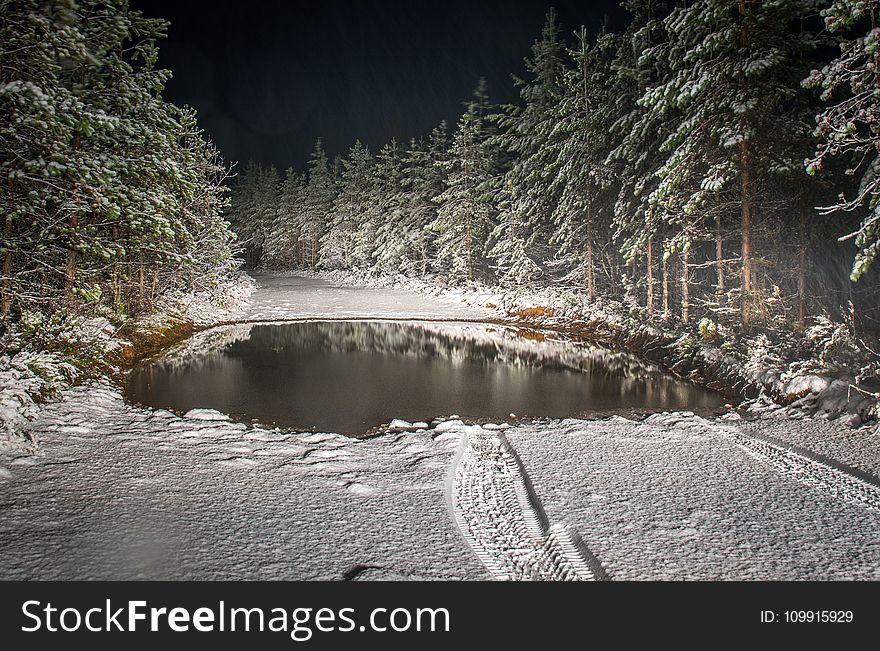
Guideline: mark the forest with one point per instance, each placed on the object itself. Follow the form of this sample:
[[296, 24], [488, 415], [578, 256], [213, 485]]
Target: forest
[[716, 160], [711, 166], [622, 324], [112, 196]]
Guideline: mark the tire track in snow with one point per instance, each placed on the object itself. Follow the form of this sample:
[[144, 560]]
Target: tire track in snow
[[499, 515], [813, 469]]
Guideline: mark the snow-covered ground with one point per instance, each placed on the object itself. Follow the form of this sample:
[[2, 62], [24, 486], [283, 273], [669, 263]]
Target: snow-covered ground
[[294, 297], [116, 491]]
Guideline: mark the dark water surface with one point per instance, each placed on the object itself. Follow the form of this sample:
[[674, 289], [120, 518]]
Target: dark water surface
[[348, 377]]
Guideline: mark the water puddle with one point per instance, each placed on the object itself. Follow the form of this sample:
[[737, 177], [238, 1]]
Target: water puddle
[[350, 377]]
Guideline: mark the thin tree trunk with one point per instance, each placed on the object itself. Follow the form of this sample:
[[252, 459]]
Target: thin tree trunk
[[467, 185], [591, 288], [117, 294], [745, 198], [802, 266], [6, 300], [470, 263], [70, 266], [141, 282], [650, 301], [685, 286], [719, 258], [154, 285], [665, 283], [746, 233]]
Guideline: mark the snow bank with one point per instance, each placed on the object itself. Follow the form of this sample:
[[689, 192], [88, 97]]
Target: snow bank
[[30, 376], [25, 378]]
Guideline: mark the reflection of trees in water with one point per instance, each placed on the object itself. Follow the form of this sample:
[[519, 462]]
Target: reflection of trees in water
[[461, 342], [605, 380], [203, 347]]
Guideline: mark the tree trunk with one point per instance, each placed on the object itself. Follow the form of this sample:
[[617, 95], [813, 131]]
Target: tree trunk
[[591, 288], [154, 285], [745, 198], [467, 187], [802, 266], [70, 266], [650, 300], [470, 263], [117, 294], [746, 233], [719, 258], [314, 251], [685, 286], [5, 298], [141, 281], [685, 270], [665, 283]]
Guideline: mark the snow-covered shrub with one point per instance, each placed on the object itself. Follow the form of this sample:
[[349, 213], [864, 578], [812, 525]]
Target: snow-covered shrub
[[708, 329], [834, 343], [28, 376], [761, 355]]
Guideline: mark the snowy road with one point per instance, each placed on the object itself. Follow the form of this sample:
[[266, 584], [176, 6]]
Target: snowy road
[[117, 491], [294, 297]]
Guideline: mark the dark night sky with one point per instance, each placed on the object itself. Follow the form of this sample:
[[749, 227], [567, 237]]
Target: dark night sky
[[268, 77]]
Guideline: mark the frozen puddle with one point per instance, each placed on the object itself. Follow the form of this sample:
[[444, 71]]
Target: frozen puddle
[[351, 377]]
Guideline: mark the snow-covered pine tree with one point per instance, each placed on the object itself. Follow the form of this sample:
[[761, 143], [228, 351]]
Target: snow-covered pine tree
[[431, 183], [102, 175], [317, 205], [637, 134], [465, 213], [347, 234], [283, 239], [581, 141], [205, 254], [850, 126], [37, 110], [421, 182], [731, 71], [526, 130], [252, 210], [390, 243]]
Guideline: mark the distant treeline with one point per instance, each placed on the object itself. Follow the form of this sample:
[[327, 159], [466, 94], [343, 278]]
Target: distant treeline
[[111, 196], [717, 159]]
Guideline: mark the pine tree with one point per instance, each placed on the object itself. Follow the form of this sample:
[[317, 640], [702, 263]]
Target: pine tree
[[465, 212], [636, 134], [107, 184], [850, 127], [253, 208], [346, 235], [317, 205], [526, 132], [431, 185], [284, 239], [422, 181], [389, 245], [580, 138], [731, 71]]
